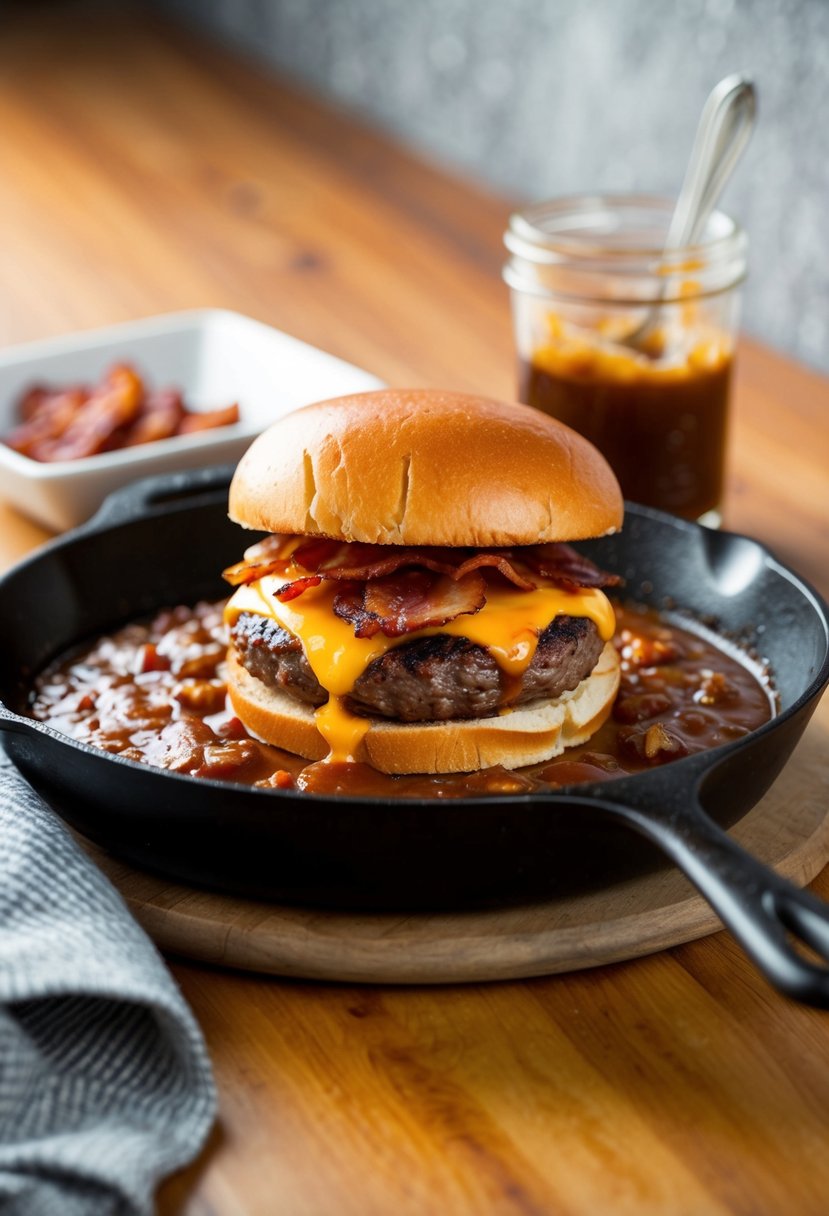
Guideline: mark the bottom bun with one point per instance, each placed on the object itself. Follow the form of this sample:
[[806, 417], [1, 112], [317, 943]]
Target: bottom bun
[[528, 735]]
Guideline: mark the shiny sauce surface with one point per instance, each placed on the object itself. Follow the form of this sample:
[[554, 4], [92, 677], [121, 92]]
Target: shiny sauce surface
[[154, 692]]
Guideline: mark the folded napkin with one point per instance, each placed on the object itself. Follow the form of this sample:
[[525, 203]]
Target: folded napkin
[[105, 1084]]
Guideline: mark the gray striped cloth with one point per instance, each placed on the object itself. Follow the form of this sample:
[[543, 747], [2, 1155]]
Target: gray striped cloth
[[105, 1084]]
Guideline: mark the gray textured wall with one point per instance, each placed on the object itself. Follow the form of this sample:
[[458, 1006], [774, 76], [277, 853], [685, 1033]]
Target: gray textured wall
[[543, 97]]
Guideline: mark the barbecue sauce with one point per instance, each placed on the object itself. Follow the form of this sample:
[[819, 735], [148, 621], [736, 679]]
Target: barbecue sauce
[[155, 692], [660, 423]]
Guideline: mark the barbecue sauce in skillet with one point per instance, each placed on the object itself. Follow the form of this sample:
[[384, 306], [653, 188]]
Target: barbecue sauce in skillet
[[154, 692]]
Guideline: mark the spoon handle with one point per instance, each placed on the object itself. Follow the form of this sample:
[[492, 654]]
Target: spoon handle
[[723, 132]]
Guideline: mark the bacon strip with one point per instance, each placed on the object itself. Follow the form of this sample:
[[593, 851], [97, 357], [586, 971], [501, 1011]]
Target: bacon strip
[[268, 556], [324, 558], [248, 572], [357, 562], [289, 591], [567, 567], [503, 562], [408, 602], [320, 551]]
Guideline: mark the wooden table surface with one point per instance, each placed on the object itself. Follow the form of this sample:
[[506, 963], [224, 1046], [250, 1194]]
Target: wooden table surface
[[145, 171]]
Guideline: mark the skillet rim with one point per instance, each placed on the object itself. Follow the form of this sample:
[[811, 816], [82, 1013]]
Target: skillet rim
[[695, 767]]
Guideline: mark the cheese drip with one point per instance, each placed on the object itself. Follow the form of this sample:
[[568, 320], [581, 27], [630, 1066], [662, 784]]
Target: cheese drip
[[508, 627]]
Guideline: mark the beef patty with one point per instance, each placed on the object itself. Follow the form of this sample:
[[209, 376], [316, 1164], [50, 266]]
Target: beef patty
[[430, 679]]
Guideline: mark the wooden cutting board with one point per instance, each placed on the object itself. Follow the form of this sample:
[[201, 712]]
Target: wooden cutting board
[[788, 829]]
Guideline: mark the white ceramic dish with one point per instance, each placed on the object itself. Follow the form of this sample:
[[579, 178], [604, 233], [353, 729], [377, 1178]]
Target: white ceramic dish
[[216, 357]]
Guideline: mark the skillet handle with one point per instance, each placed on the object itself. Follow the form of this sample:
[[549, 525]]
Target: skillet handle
[[153, 495], [767, 914]]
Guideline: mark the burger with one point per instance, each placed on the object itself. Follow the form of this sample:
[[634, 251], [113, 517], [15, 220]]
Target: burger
[[416, 604]]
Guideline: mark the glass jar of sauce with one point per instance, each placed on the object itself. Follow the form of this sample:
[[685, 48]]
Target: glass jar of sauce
[[628, 344]]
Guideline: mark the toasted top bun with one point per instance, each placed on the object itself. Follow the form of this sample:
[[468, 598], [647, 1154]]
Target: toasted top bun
[[422, 467]]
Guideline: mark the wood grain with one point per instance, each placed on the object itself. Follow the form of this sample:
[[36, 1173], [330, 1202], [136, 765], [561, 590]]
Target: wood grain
[[146, 171]]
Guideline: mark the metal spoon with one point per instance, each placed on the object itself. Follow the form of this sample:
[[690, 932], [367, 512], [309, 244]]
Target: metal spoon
[[724, 128]]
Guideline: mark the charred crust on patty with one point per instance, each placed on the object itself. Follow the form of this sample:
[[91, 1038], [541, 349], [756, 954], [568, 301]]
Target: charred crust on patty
[[275, 656], [437, 678]]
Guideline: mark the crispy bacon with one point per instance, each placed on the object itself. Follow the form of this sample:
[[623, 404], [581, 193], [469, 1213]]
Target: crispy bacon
[[77, 421], [268, 556], [505, 563], [206, 420], [403, 603], [360, 563], [161, 418], [321, 551], [289, 591], [565, 566], [248, 572], [363, 562]]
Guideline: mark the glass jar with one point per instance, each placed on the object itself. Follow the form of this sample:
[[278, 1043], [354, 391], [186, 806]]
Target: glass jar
[[628, 344]]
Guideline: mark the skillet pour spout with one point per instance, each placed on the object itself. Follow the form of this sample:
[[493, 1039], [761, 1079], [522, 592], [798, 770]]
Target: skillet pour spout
[[164, 541]]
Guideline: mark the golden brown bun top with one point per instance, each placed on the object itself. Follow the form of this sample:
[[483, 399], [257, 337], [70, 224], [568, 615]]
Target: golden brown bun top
[[422, 467]]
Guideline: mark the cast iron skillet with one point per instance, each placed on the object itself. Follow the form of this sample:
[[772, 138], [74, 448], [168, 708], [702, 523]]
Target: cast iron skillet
[[163, 541]]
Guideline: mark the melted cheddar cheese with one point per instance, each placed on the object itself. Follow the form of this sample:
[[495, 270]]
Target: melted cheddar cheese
[[508, 627]]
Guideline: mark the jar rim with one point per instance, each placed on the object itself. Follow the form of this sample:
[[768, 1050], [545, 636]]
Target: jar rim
[[572, 246], [532, 233]]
